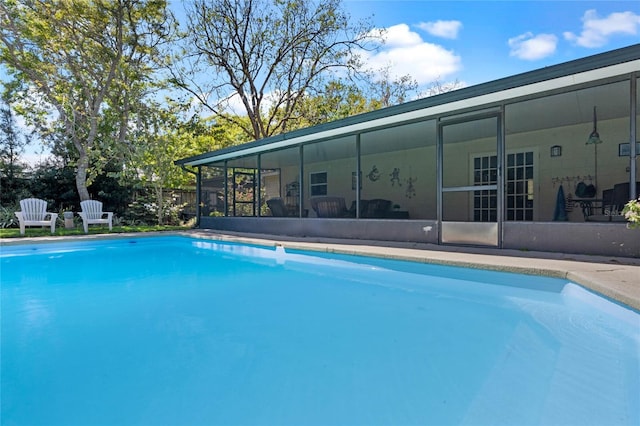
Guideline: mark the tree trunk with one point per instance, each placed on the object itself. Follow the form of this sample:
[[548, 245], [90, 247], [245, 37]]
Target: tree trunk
[[81, 177]]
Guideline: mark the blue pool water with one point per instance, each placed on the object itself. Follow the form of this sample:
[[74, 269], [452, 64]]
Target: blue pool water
[[181, 331]]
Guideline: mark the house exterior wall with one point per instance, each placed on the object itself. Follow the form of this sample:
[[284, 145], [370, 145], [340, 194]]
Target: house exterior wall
[[428, 160]]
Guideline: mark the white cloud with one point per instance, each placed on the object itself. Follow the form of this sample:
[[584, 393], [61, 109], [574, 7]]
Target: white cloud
[[404, 52], [400, 35], [533, 47], [444, 29], [596, 31]]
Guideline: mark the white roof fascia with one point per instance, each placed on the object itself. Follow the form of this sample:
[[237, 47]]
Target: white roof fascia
[[451, 107]]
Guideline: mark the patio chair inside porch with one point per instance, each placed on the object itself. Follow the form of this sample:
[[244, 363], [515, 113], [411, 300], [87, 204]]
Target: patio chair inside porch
[[277, 207], [609, 208], [376, 208], [328, 206]]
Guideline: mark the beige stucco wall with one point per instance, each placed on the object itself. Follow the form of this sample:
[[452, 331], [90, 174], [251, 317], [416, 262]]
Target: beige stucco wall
[[414, 190]]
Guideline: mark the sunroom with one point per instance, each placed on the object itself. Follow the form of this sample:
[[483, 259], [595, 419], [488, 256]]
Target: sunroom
[[544, 160]]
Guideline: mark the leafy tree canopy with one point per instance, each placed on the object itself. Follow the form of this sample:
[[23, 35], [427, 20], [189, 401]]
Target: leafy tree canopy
[[80, 68]]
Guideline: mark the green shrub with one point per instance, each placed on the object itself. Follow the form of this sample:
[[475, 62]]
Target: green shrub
[[8, 218], [141, 211], [144, 211]]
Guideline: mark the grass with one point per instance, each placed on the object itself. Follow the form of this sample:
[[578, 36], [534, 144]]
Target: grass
[[62, 231]]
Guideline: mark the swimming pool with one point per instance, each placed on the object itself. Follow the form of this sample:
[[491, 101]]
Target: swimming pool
[[175, 330]]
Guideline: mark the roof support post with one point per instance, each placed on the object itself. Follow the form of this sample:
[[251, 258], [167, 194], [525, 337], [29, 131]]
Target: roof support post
[[301, 181], [633, 132], [501, 154], [358, 175], [257, 186], [198, 195], [226, 188], [439, 161]]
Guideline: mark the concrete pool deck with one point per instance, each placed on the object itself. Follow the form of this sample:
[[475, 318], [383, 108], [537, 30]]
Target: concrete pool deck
[[613, 277]]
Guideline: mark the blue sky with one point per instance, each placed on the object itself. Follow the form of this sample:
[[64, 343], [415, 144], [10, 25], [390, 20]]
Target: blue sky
[[479, 41]]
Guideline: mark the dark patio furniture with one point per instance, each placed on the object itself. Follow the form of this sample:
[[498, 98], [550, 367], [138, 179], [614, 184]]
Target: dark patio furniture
[[277, 207], [378, 208], [609, 207], [328, 206]]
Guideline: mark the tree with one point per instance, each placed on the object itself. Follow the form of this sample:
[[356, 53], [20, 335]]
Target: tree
[[54, 182], [82, 66], [12, 144], [164, 134], [438, 87], [386, 91], [338, 99], [268, 54]]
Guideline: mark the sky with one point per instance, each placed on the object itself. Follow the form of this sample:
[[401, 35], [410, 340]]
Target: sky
[[478, 41]]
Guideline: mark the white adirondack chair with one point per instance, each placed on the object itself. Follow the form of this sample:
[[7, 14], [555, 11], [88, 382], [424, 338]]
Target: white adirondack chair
[[92, 214], [34, 213]]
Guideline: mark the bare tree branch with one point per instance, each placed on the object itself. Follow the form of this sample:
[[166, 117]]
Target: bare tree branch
[[266, 53]]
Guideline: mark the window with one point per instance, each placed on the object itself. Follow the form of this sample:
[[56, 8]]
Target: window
[[318, 183], [520, 186]]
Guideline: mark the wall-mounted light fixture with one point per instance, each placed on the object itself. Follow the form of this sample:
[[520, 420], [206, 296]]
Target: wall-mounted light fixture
[[556, 151]]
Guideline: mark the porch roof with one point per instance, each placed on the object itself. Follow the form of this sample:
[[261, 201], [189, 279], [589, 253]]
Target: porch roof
[[608, 65]]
